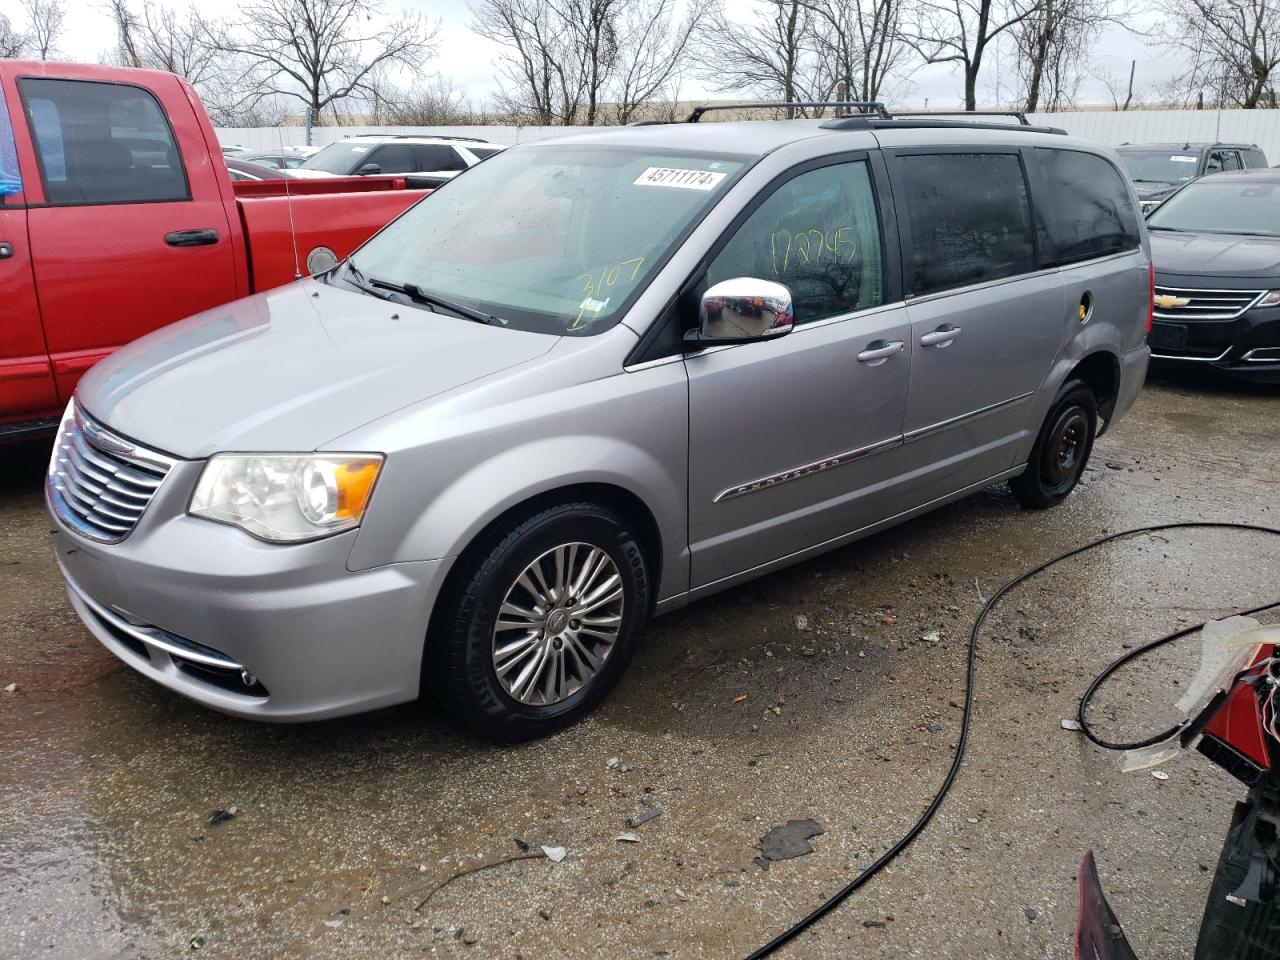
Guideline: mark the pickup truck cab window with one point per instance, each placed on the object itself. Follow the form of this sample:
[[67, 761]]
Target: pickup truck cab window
[[10, 173], [550, 239], [818, 234], [102, 143], [961, 237]]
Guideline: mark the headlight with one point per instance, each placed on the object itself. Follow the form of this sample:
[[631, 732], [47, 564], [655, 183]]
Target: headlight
[[286, 497], [1269, 299]]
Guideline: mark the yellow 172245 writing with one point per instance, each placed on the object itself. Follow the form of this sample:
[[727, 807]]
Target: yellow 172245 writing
[[808, 247]]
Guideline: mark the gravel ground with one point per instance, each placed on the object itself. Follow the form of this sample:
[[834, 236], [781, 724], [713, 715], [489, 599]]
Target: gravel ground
[[826, 692]]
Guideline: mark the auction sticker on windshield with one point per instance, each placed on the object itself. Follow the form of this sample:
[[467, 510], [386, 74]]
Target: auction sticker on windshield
[[675, 177]]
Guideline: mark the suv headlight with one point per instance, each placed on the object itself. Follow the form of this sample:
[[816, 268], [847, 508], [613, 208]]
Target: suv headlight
[[287, 497]]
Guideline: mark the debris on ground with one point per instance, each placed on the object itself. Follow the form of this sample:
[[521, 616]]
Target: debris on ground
[[544, 913], [1031, 914], [218, 817], [11, 688], [640, 819], [933, 636], [1071, 725], [554, 854], [385, 901], [802, 622], [1159, 775], [628, 837], [787, 842], [197, 943], [740, 698]]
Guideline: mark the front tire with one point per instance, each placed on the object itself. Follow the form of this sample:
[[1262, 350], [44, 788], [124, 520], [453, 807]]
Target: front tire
[[540, 623], [1062, 449]]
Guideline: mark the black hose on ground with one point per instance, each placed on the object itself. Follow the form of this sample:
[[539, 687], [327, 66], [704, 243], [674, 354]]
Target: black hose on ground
[[958, 759]]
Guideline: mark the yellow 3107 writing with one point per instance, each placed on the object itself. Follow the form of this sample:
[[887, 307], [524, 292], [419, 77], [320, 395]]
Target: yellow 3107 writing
[[593, 285]]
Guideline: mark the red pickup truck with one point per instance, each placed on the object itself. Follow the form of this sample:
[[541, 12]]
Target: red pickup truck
[[117, 216]]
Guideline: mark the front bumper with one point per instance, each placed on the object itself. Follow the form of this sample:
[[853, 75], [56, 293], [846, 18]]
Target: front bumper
[[194, 605], [1246, 345]]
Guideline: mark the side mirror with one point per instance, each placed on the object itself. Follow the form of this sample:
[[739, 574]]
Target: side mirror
[[369, 169], [742, 310]]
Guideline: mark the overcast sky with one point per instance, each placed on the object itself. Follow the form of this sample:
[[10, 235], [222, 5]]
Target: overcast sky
[[467, 59]]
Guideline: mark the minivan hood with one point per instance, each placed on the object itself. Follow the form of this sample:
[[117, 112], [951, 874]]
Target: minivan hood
[[1215, 254], [291, 369]]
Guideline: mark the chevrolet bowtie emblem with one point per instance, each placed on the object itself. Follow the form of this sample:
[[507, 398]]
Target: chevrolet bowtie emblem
[[1168, 302]]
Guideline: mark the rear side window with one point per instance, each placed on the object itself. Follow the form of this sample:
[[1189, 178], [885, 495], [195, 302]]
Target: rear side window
[[10, 174], [817, 233], [1254, 159], [102, 143], [392, 158], [434, 157], [968, 218], [1085, 211], [482, 153]]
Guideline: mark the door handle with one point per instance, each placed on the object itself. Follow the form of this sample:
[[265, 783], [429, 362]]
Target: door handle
[[878, 351], [940, 337], [191, 238]]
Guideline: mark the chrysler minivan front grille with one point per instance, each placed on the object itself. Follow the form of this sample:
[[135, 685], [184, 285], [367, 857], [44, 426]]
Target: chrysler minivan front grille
[[99, 483], [1178, 304]]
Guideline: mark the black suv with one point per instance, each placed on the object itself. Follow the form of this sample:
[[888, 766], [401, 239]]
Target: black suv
[[1216, 248], [1159, 169]]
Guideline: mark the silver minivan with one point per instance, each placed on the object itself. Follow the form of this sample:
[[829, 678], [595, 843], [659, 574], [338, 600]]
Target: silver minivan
[[583, 384]]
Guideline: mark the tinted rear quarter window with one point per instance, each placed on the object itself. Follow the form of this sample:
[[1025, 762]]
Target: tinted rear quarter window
[[439, 157], [1085, 210], [968, 219], [102, 143]]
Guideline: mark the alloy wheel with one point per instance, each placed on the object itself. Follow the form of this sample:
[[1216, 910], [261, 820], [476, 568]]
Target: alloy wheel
[[557, 624]]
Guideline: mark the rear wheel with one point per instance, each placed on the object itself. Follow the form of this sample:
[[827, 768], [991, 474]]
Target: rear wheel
[[1061, 450], [541, 622]]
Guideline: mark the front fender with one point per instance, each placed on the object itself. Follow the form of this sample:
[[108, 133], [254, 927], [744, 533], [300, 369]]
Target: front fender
[[628, 431]]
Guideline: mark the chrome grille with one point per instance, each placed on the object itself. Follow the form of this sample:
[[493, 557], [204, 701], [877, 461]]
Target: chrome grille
[[1183, 305], [99, 483]]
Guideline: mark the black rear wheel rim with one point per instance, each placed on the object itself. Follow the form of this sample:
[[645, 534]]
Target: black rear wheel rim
[[1066, 448]]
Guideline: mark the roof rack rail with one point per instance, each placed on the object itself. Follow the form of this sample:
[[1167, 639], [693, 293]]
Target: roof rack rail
[[910, 123], [863, 106], [1018, 115], [416, 136]]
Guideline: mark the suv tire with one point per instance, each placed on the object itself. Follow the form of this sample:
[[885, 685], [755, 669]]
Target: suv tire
[[1062, 449], [545, 662]]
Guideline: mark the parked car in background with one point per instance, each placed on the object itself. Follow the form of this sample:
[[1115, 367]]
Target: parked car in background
[[592, 380], [118, 215], [1159, 169], [240, 169], [432, 160], [280, 161], [1216, 248]]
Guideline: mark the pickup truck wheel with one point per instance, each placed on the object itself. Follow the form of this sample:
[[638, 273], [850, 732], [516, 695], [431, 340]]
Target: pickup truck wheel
[[1062, 449], [541, 624]]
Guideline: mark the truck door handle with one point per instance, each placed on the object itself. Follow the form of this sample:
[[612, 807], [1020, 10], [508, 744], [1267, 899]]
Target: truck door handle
[[940, 337], [191, 238], [878, 351]]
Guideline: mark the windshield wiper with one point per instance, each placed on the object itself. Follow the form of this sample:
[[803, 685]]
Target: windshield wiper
[[381, 289]]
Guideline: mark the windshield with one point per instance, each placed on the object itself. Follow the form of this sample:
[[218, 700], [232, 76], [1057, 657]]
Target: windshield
[[339, 158], [1216, 206], [1160, 166], [551, 239]]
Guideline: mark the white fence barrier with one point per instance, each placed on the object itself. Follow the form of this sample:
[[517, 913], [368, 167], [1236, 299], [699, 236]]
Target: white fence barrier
[[1109, 127]]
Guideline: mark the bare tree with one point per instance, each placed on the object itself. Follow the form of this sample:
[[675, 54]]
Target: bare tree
[[769, 55], [321, 52], [126, 21], [12, 43], [1234, 47], [959, 31], [536, 64], [45, 18], [857, 43], [652, 49], [1053, 44]]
